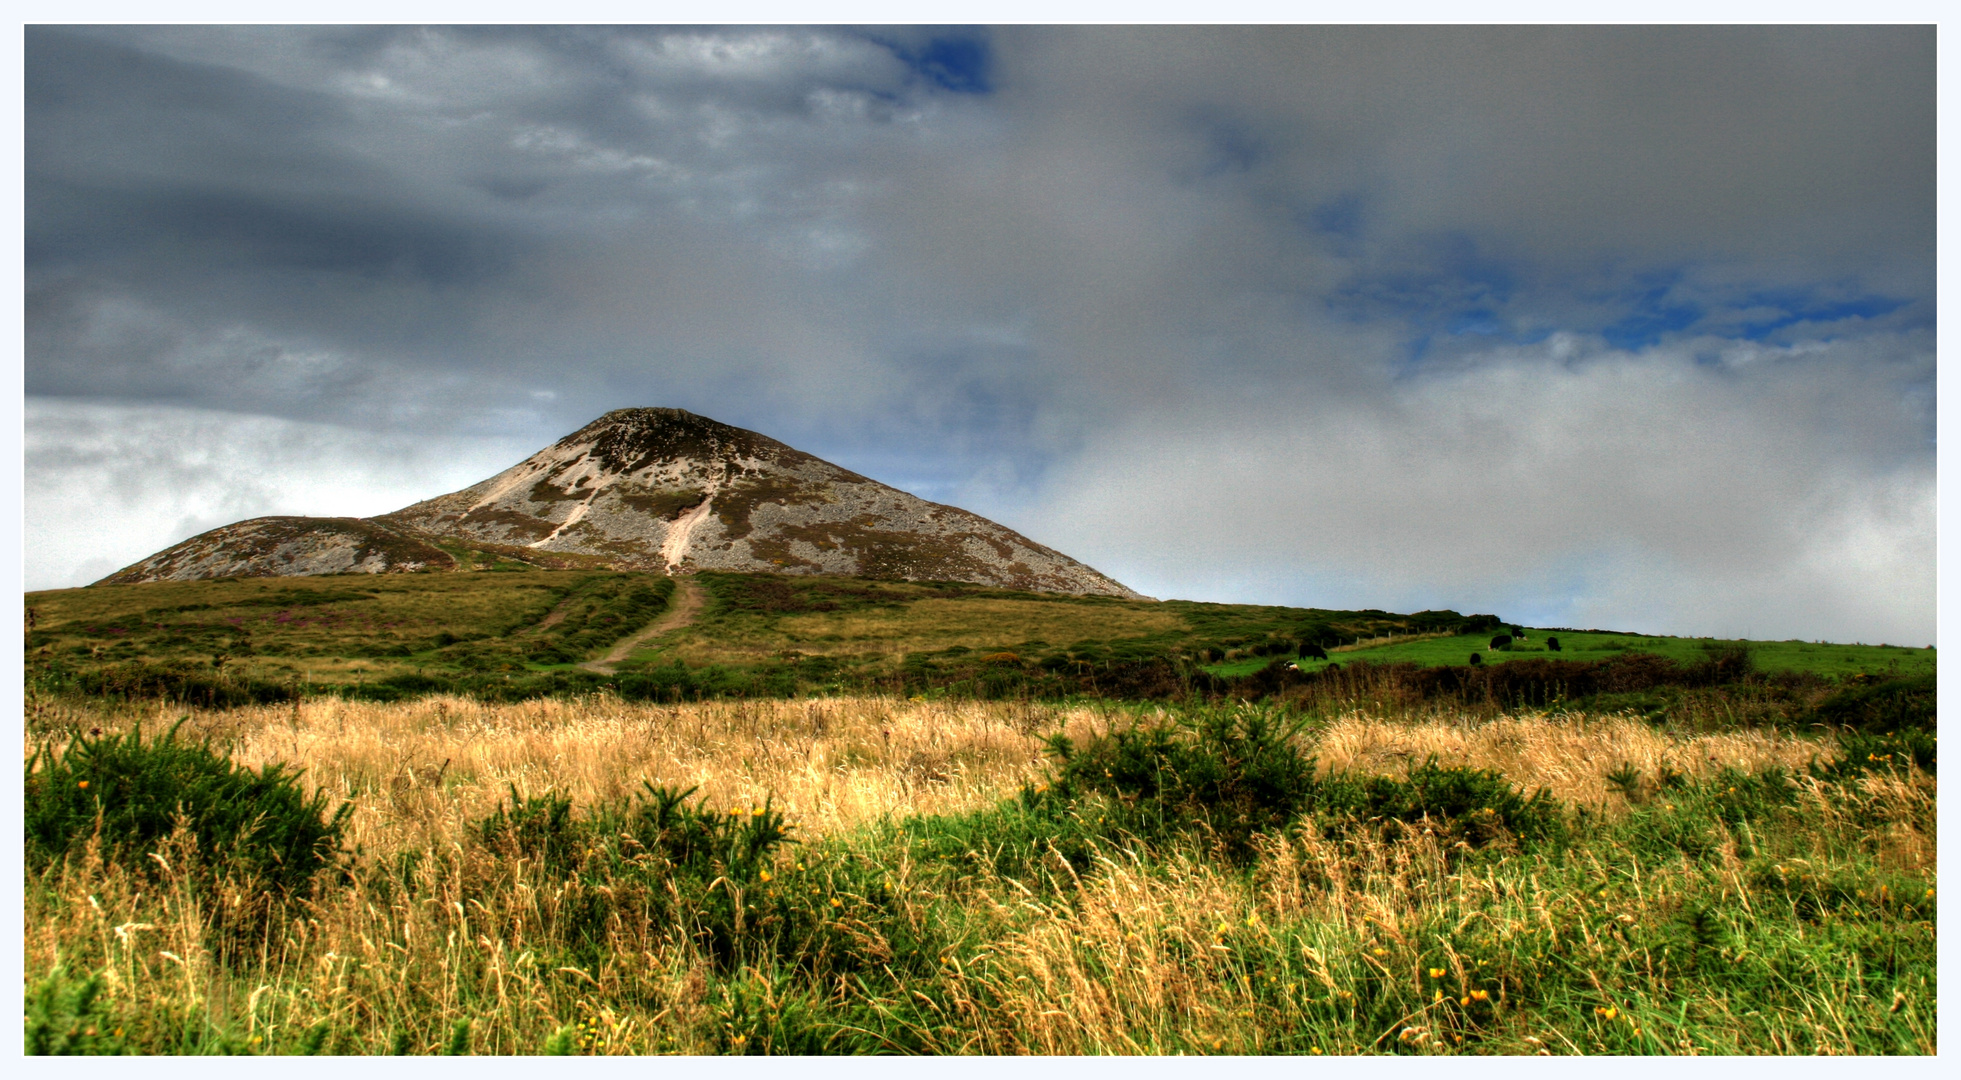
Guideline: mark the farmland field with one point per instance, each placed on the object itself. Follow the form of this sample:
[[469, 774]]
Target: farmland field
[[1578, 645]]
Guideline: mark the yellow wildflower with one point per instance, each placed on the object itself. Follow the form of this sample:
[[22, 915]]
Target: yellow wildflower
[[1436, 973]]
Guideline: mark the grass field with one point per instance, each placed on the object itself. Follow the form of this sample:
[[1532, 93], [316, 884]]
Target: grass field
[[522, 633], [954, 888], [837, 815], [1832, 660]]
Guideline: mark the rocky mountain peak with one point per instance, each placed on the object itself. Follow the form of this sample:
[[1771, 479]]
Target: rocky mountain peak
[[656, 489]]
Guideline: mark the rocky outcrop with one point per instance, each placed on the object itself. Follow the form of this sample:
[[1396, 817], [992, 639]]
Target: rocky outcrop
[[287, 547], [667, 490]]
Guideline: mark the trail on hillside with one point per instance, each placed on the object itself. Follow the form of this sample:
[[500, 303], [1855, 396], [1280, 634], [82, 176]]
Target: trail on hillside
[[688, 600], [556, 616]]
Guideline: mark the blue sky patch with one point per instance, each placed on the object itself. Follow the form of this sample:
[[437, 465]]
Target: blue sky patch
[[963, 64], [1802, 307]]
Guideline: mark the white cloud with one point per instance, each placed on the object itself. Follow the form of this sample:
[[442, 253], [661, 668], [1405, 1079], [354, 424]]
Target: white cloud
[[109, 484], [1641, 492]]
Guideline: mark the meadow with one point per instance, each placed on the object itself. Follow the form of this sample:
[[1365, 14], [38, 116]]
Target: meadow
[[518, 634], [876, 874], [1816, 657], [396, 815]]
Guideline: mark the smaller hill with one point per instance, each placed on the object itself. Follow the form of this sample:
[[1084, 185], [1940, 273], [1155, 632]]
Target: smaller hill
[[288, 547]]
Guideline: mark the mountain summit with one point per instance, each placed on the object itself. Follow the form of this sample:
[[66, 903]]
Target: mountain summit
[[648, 489]]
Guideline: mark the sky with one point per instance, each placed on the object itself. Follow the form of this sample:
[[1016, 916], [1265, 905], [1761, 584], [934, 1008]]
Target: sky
[[1621, 327]]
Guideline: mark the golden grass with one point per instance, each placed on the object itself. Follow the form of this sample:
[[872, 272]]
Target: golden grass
[[1148, 958], [1134, 956], [416, 771], [1568, 754]]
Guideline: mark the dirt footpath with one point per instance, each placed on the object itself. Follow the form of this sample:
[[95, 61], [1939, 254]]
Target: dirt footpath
[[688, 599]]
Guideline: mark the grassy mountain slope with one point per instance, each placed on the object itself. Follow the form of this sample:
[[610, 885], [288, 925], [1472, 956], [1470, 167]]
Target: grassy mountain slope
[[521, 632]]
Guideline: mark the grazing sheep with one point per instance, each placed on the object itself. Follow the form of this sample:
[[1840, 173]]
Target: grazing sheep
[[1501, 643], [1552, 644], [1476, 659]]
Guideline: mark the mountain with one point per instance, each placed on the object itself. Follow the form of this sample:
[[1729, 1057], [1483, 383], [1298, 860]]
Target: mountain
[[648, 489]]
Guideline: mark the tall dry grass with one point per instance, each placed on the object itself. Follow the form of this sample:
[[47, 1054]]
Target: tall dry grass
[[1132, 954], [1569, 754], [415, 770], [834, 763]]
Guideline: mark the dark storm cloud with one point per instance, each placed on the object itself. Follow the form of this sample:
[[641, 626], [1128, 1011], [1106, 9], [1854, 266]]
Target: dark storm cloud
[[1330, 284]]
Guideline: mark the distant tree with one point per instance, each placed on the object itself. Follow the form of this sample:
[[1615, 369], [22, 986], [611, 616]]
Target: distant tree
[[1501, 643], [1552, 644], [1476, 659], [1310, 649]]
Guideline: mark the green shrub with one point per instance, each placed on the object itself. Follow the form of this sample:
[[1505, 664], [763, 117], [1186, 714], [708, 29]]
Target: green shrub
[[699, 871], [1240, 771], [768, 1014], [134, 792], [1894, 705], [178, 681], [69, 1016], [1481, 803], [1863, 752], [1236, 770]]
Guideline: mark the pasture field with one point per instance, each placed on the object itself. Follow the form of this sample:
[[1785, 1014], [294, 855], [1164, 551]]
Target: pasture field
[[871, 874], [1820, 658], [517, 634]]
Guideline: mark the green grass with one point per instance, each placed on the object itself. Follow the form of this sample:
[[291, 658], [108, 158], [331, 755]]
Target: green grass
[[519, 632], [1831, 660], [338, 631]]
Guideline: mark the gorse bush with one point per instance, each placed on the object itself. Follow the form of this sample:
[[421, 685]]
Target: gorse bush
[[1893, 705], [657, 823], [1863, 752], [134, 792], [1240, 771], [68, 1016], [656, 857], [1236, 770], [1480, 803]]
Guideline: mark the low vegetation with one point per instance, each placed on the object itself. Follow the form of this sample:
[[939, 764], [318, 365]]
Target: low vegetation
[[394, 815], [519, 634], [878, 874]]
